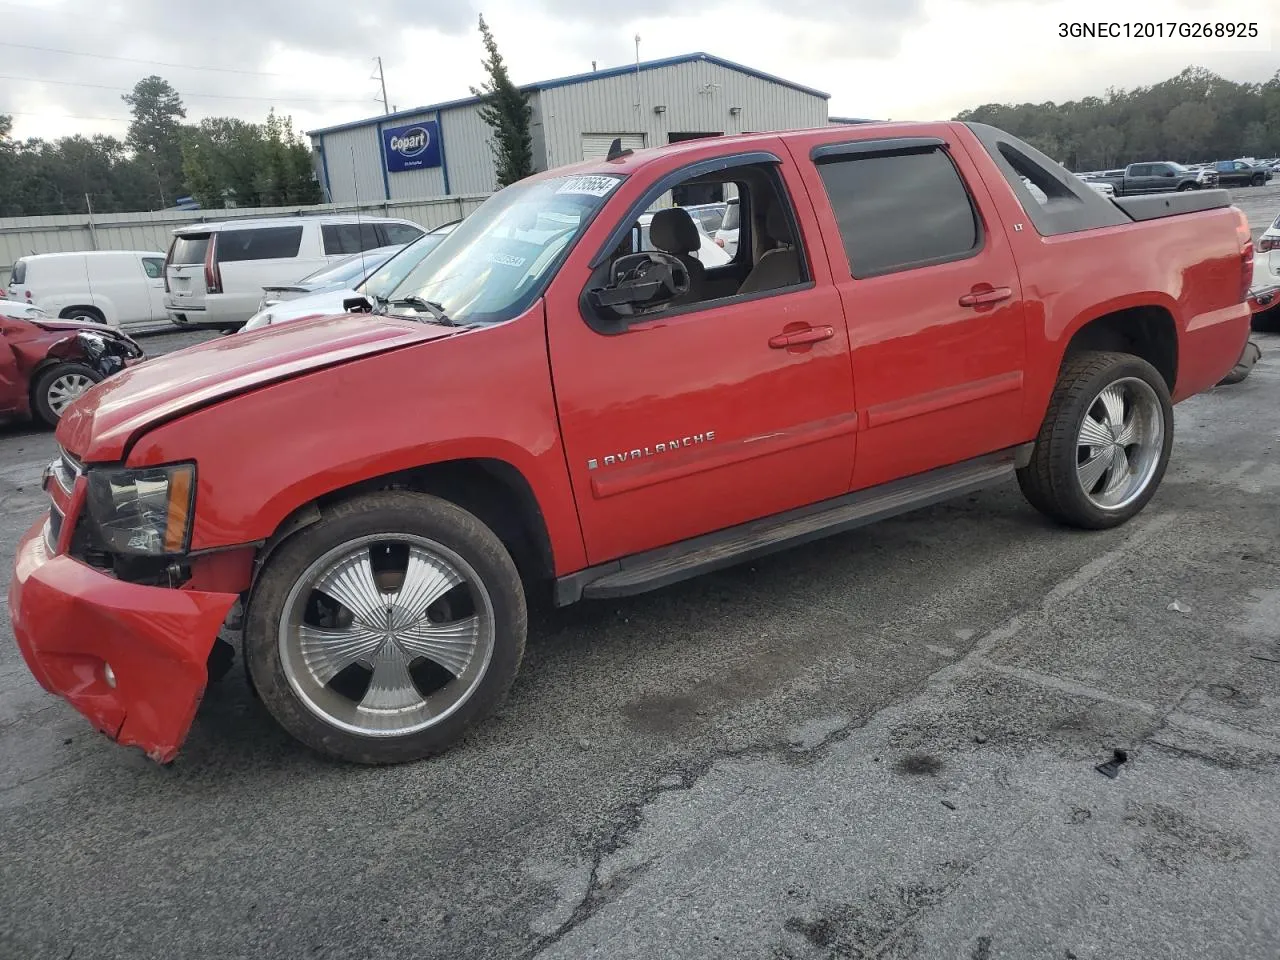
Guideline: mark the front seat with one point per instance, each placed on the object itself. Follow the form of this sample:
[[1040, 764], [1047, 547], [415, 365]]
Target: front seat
[[780, 267], [673, 231]]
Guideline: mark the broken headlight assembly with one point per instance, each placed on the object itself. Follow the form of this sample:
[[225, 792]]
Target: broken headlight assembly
[[144, 512]]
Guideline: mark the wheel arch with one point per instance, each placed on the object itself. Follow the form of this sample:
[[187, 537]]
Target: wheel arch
[[1146, 330], [93, 308], [492, 489]]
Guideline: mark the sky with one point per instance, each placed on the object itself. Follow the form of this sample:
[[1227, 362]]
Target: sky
[[313, 59]]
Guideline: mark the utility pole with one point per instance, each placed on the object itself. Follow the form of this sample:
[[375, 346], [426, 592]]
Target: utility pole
[[383, 81], [637, 71]]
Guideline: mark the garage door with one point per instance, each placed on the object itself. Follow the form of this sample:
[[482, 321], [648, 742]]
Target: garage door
[[595, 146]]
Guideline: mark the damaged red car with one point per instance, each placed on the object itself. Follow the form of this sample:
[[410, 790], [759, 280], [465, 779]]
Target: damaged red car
[[45, 363]]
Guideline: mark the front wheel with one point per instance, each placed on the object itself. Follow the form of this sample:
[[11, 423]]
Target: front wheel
[[1104, 445], [58, 386], [1259, 181], [384, 631]]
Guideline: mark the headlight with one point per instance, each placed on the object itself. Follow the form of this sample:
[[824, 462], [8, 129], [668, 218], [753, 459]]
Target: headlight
[[144, 512]]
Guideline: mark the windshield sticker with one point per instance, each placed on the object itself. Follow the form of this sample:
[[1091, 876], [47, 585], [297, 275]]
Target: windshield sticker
[[506, 260], [590, 186]]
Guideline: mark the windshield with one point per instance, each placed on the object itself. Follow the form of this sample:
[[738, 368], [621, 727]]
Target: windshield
[[496, 263], [396, 268], [346, 272]]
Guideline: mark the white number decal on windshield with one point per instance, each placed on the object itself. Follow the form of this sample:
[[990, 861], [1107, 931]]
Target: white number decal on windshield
[[591, 186]]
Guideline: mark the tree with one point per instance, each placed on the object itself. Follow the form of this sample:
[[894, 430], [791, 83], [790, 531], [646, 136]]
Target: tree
[[1189, 125], [155, 135], [1257, 140], [507, 112], [227, 160]]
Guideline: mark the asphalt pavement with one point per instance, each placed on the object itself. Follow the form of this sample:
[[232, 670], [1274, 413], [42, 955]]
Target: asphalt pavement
[[879, 745]]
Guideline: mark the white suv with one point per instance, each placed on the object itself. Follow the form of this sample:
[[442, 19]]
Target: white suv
[[215, 272]]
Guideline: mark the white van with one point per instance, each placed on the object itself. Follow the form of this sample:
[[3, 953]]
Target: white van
[[121, 288], [215, 272]]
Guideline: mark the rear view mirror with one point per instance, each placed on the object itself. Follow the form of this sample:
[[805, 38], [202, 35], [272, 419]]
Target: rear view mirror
[[641, 283]]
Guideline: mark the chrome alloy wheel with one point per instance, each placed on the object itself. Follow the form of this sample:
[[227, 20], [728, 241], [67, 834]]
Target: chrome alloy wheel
[[386, 635], [1120, 443], [65, 389]]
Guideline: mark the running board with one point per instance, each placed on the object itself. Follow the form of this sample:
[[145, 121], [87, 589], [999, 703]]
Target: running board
[[642, 572]]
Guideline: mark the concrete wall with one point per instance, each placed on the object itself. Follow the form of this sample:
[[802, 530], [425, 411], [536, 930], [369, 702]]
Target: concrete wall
[[22, 236], [697, 96]]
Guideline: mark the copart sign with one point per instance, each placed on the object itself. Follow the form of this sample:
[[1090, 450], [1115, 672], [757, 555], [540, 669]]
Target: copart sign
[[412, 147]]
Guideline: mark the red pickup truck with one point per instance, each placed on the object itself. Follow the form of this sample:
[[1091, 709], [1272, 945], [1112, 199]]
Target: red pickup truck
[[542, 406]]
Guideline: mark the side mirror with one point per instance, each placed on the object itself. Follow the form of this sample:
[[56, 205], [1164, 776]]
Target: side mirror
[[357, 305], [640, 283]]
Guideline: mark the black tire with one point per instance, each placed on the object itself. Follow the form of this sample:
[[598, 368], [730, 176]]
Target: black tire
[[1267, 321], [1184, 187], [1050, 481], [1259, 181], [391, 513], [41, 403], [83, 314]]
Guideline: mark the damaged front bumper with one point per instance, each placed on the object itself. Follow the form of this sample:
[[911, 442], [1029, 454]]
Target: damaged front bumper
[[131, 658]]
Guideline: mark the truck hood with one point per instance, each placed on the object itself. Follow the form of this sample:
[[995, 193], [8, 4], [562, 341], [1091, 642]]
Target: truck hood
[[105, 420]]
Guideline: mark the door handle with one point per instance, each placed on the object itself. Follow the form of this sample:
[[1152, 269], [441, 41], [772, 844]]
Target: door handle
[[979, 297], [798, 337]]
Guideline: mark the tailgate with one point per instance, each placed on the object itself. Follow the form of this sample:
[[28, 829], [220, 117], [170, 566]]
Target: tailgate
[[185, 269]]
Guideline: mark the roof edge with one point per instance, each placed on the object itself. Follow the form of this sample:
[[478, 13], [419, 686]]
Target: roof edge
[[577, 78]]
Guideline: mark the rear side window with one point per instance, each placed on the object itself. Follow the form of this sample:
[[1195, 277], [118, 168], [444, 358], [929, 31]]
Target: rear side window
[[900, 211], [153, 266], [19, 272], [263, 243], [190, 248], [349, 238], [398, 233]]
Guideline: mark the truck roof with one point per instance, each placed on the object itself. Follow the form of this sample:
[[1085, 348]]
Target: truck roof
[[741, 141], [90, 253]]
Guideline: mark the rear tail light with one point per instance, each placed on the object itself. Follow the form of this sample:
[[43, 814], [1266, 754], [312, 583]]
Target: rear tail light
[[168, 259], [212, 274], [1267, 244], [1245, 236]]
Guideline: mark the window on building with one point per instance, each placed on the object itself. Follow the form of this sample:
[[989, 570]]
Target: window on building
[[900, 211]]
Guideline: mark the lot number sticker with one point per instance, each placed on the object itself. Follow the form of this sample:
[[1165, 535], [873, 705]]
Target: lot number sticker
[[590, 186]]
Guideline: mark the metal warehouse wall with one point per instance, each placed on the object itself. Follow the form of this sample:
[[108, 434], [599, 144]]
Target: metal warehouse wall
[[360, 143], [23, 236], [466, 151], [697, 96]]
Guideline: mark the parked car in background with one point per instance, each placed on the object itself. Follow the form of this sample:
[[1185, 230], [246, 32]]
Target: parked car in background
[[1162, 177], [118, 288], [542, 411], [342, 275], [215, 272], [1241, 173], [708, 216], [1264, 291], [373, 284], [46, 362], [727, 234]]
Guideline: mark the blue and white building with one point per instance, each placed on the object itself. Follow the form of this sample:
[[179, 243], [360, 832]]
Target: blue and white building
[[443, 149]]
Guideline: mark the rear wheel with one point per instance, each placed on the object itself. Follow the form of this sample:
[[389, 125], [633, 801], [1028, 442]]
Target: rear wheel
[[1104, 445], [384, 631], [84, 314], [58, 386]]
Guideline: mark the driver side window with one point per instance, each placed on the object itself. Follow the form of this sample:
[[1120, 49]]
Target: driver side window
[[757, 251]]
